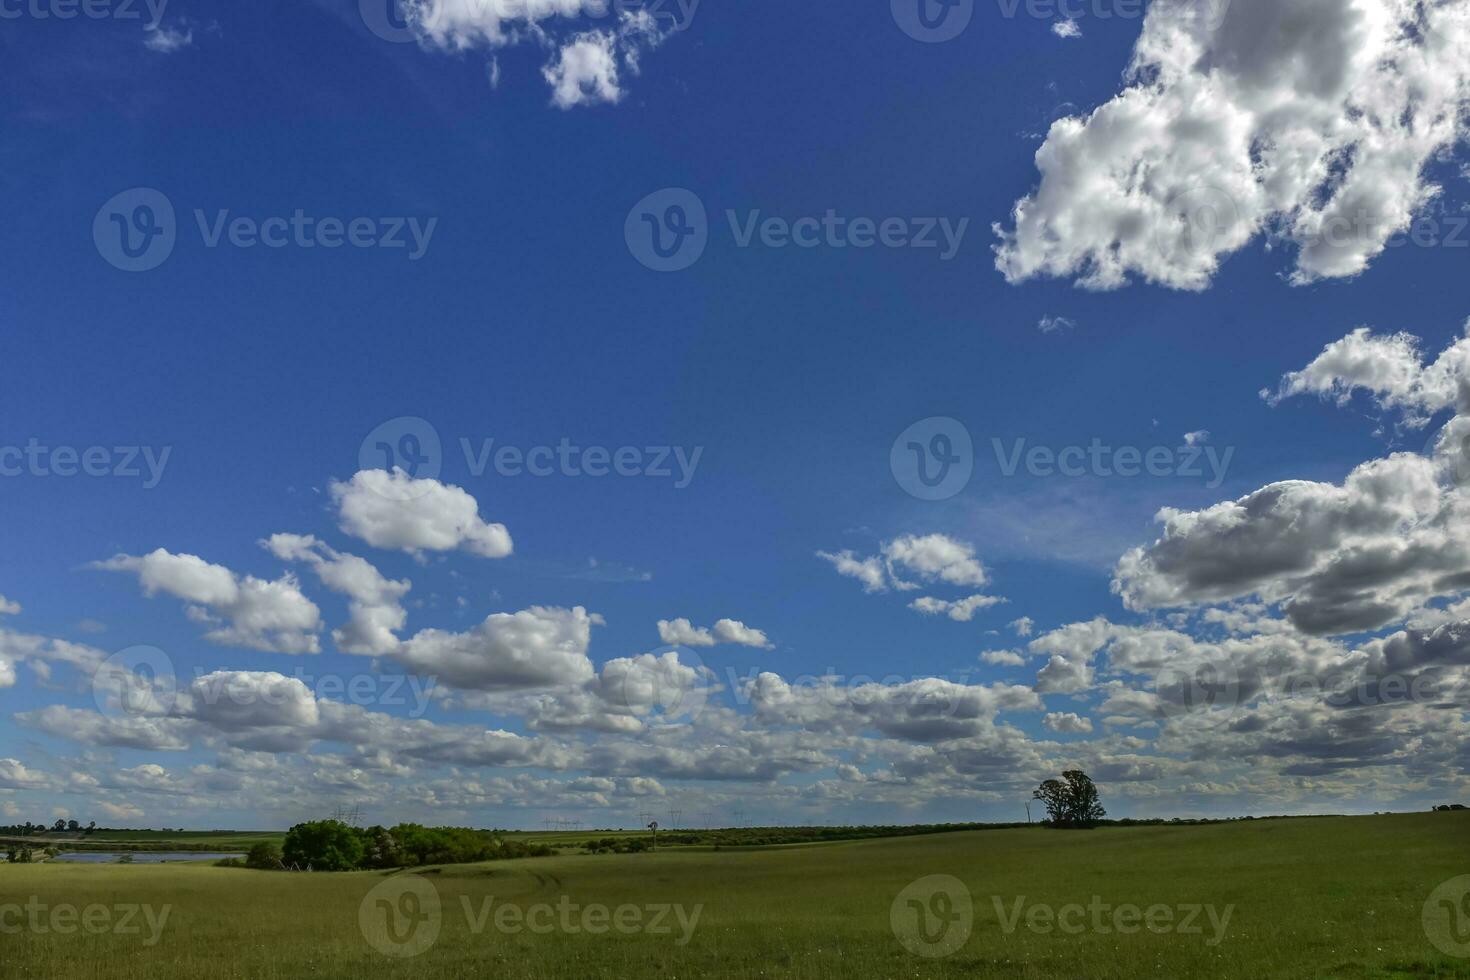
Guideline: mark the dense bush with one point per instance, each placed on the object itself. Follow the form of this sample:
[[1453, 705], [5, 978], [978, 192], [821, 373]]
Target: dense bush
[[324, 845], [330, 845], [263, 857]]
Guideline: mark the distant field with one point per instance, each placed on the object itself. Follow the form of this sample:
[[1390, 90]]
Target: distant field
[[1328, 897], [149, 840]]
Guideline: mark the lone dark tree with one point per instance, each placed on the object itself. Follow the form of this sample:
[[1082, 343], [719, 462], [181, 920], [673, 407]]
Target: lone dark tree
[[1071, 801]]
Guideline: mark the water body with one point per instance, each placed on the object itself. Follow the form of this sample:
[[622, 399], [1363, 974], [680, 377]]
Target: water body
[[141, 857]]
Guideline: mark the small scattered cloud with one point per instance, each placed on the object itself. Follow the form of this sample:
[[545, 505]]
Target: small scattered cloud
[[1197, 438], [681, 632], [1067, 723], [167, 40]]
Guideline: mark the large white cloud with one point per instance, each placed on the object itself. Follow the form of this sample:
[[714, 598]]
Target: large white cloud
[[396, 512], [1394, 536], [536, 647], [375, 602], [1310, 120], [1390, 367], [244, 610]]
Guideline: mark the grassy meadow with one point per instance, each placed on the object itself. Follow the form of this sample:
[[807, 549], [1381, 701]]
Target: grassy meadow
[[1318, 897]]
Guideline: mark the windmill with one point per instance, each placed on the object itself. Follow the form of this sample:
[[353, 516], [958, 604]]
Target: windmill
[[653, 826]]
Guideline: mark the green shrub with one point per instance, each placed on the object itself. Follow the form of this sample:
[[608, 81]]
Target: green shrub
[[263, 857], [324, 845]]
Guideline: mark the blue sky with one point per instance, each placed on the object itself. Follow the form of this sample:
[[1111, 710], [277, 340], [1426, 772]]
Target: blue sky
[[526, 317]]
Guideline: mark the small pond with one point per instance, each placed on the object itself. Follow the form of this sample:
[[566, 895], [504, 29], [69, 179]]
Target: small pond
[[141, 857]]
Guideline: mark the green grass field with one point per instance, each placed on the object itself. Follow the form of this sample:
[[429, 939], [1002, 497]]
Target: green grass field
[[1321, 897]]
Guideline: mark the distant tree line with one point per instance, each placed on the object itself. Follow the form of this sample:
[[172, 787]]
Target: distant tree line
[[331, 845], [29, 829]]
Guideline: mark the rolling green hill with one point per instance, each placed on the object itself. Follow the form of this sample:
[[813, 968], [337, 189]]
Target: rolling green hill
[[1320, 897]]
